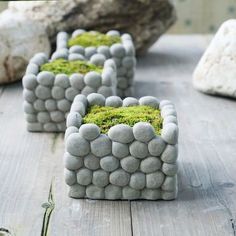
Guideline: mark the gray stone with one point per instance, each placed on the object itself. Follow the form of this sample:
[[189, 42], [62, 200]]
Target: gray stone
[[29, 95], [43, 92], [150, 164], [154, 180], [59, 55], [63, 105], [130, 164], [130, 193], [104, 50], [170, 183], [95, 192], [93, 79], [170, 119], [50, 105], [121, 71], [113, 33], [170, 154], [50, 127], [91, 162], [58, 92], [114, 101], [70, 177], [77, 81], [78, 32], [39, 105], [77, 191], [81, 98], [100, 178], [98, 59], [34, 127], [96, 99], [149, 101], [121, 133], [57, 116], [61, 126], [151, 194], [89, 51], [79, 107], [31, 118], [130, 101], [122, 83], [107, 76], [109, 163], [74, 119], [143, 131], [101, 146], [71, 130], [138, 149], [170, 169], [76, 49], [75, 57], [45, 78], [32, 68], [110, 63], [105, 91], [156, 146], [62, 81], [113, 192], [137, 181], [117, 50], [168, 112], [128, 62], [119, 177], [72, 162], [77, 145], [120, 150], [88, 90], [89, 131], [29, 81], [28, 108], [84, 176], [39, 58], [165, 195], [70, 93], [43, 117], [164, 103]]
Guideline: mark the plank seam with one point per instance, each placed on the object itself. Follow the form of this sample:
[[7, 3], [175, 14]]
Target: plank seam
[[131, 218]]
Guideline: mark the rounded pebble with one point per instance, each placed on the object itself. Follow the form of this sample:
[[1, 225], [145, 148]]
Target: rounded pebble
[[29, 81], [113, 101], [72, 162], [28, 108], [100, 178], [77, 145], [88, 90], [84, 176], [57, 116], [151, 194], [104, 50], [91, 162], [81, 98], [93, 79], [164, 103], [89, 51], [43, 92], [58, 92], [138, 149], [43, 117], [95, 192], [113, 192], [63, 105], [70, 93], [34, 127], [119, 177], [71, 130], [45, 78], [170, 183], [149, 101], [117, 50], [156, 146], [76, 49], [137, 180], [78, 32], [70, 177], [170, 154], [101, 146], [31, 118], [32, 68], [77, 81], [107, 76], [96, 99], [150, 164], [113, 33], [50, 127], [121, 133], [143, 131], [77, 191], [130, 101], [120, 150], [170, 169], [130, 164], [129, 62], [109, 163], [106, 91], [75, 57], [62, 81], [29, 95], [98, 59], [170, 119], [50, 105], [74, 119], [168, 195], [154, 180], [130, 193], [78, 107], [39, 105], [89, 131]]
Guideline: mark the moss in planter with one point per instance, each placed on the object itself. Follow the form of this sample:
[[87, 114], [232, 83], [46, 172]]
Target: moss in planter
[[69, 67], [93, 39], [106, 117]]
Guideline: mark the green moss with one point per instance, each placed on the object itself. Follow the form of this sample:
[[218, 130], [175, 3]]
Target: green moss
[[61, 66], [106, 117], [93, 39]]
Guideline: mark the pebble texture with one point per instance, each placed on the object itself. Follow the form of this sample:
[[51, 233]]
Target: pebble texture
[[48, 97], [128, 162], [122, 53]]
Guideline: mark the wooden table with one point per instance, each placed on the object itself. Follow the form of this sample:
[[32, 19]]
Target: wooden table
[[32, 162]]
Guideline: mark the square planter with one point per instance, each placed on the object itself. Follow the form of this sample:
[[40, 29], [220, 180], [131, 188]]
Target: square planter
[[48, 95], [122, 52], [125, 162]]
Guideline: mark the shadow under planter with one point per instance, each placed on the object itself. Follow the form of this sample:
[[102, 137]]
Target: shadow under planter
[[121, 161], [49, 93], [95, 46]]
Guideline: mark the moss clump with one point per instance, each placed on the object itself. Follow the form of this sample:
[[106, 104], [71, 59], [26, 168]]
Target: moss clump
[[106, 117], [94, 39], [61, 66]]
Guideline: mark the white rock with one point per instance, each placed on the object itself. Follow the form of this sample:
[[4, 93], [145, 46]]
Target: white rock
[[216, 71]]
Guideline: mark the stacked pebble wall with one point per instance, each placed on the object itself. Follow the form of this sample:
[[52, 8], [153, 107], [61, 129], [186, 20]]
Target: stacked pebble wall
[[126, 163], [48, 97], [122, 53]]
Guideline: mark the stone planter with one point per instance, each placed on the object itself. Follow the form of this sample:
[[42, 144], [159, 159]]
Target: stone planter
[[48, 96], [127, 162], [122, 53]]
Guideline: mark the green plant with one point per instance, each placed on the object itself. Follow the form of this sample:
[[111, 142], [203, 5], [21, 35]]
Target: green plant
[[93, 39], [105, 117], [69, 67]]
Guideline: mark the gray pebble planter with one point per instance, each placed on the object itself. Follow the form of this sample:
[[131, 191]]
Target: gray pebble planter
[[127, 162], [122, 53], [48, 97]]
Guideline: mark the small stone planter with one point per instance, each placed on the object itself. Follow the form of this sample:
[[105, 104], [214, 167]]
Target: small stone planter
[[127, 162], [122, 53], [48, 96]]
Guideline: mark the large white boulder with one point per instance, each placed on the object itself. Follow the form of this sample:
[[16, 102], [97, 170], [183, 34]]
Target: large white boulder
[[216, 71], [20, 39]]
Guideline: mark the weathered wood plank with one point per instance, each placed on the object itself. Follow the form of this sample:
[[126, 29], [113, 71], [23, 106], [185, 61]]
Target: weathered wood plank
[[206, 203]]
